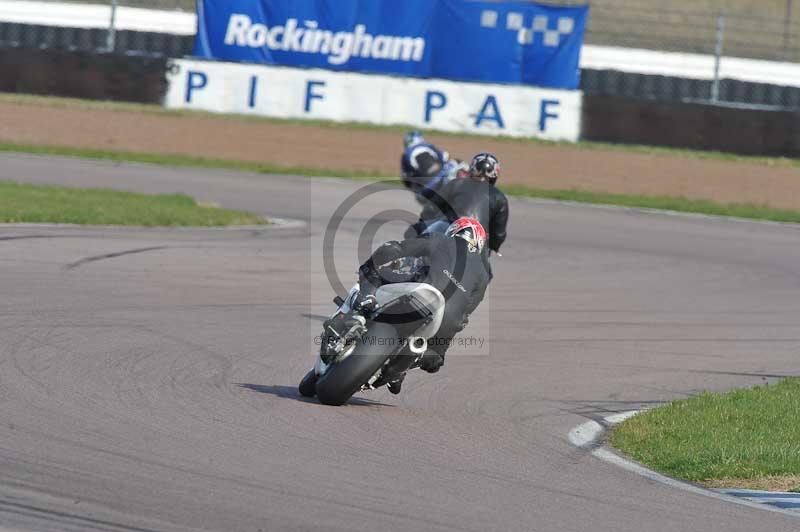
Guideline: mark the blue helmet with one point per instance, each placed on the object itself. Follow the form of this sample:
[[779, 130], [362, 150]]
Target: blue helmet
[[412, 138]]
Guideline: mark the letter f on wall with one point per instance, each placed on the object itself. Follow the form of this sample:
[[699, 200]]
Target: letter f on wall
[[545, 114], [311, 94]]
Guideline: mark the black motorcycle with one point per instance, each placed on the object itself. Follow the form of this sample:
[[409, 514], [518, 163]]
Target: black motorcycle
[[362, 351]]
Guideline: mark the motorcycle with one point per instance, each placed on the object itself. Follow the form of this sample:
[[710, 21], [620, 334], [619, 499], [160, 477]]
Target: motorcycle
[[379, 345]]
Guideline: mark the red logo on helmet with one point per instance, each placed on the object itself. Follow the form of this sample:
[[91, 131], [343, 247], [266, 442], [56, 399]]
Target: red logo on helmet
[[470, 230]]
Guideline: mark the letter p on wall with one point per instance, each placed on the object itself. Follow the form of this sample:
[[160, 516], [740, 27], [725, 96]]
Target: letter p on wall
[[195, 81], [434, 100]]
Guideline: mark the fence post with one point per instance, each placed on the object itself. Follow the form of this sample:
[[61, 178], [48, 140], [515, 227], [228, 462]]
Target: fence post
[[787, 31], [718, 55], [111, 36]]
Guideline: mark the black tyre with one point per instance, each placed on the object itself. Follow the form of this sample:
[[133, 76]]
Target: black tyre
[[308, 386], [344, 379]]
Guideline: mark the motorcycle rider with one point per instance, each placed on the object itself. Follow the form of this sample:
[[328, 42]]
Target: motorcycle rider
[[452, 262], [475, 196], [421, 162], [452, 169]]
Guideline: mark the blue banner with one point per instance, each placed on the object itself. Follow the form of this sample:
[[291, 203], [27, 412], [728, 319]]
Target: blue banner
[[500, 42]]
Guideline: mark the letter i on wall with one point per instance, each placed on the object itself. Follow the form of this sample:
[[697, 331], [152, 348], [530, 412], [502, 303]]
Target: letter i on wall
[[251, 98]]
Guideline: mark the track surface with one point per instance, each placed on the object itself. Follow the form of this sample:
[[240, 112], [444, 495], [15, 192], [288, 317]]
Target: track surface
[[155, 389]]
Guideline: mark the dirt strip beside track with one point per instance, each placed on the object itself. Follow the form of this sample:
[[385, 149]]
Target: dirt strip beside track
[[525, 163]]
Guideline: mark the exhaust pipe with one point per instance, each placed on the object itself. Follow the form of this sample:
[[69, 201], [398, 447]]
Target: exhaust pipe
[[417, 345]]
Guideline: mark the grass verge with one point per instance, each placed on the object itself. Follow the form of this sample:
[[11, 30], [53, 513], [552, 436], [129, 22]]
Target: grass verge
[[187, 161], [744, 438], [667, 203], [756, 212], [49, 204]]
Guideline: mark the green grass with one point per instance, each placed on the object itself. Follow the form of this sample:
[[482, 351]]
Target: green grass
[[188, 161], [49, 204], [756, 212], [737, 210], [743, 434]]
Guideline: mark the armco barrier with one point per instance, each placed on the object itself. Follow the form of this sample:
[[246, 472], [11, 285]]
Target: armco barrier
[[83, 75], [284, 92], [674, 89], [689, 125], [94, 39]]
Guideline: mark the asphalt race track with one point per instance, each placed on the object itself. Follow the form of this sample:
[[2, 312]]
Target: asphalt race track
[[147, 378]]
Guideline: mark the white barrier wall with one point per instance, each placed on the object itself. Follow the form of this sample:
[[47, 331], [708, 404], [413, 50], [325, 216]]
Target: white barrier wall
[[282, 92]]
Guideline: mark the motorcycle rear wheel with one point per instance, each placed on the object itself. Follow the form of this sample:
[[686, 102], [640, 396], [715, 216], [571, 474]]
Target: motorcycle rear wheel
[[345, 378]]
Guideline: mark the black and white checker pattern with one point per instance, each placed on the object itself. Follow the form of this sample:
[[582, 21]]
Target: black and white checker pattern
[[515, 21]]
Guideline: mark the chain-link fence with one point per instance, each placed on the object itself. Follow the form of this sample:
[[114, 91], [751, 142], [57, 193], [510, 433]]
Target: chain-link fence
[[760, 34], [713, 32]]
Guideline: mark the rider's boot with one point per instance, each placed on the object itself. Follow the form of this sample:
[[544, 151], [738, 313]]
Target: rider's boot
[[432, 361]]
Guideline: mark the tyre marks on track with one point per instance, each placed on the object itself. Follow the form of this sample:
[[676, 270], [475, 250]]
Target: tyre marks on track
[[106, 256]]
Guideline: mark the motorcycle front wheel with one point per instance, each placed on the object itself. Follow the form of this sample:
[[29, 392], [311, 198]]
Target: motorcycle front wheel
[[345, 378], [308, 386]]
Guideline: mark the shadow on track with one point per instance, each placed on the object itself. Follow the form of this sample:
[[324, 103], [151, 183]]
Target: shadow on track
[[290, 392], [316, 317]]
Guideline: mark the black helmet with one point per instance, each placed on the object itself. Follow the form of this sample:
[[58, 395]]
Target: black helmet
[[485, 166]]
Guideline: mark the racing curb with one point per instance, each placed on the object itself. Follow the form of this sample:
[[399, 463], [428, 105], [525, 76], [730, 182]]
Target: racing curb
[[590, 436]]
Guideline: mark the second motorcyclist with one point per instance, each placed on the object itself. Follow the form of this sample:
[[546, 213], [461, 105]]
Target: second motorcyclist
[[475, 196]]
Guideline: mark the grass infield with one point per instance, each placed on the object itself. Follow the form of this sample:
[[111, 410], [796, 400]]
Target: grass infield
[[740, 439], [49, 204], [757, 212]]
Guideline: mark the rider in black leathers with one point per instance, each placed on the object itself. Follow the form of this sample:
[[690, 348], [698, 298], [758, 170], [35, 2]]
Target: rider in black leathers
[[475, 196], [455, 266]]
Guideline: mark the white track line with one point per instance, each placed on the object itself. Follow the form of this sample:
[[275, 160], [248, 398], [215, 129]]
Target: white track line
[[587, 436]]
